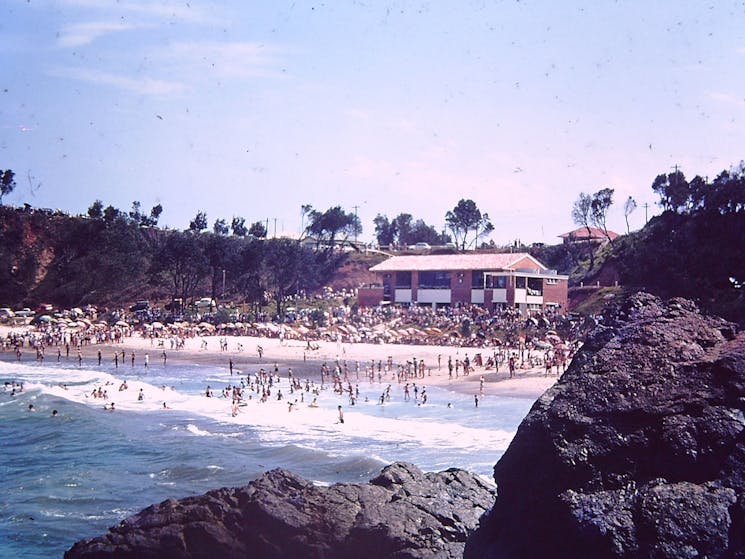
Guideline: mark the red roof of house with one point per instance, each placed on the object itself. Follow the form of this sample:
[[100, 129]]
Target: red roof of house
[[470, 261], [581, 234]]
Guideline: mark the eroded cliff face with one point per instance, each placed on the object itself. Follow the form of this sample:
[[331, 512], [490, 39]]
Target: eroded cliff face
[[638, 450], [402, 513]]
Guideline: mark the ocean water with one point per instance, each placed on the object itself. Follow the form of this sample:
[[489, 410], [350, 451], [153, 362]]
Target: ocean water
[[74, 475]]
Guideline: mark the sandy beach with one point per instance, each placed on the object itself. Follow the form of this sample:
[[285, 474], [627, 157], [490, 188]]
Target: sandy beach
[[306, 363]]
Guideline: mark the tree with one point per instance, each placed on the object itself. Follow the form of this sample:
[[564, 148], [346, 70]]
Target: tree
[[181, 259], [423, 233], [220, 227], [199, 223], [403, 230], [155, 212], [238, 226], [628, 208], [95, 211], [135, 215], [257, 230], [385, 230], [581, 212], [143, 220], [249, 274], [7, 183], [673, 190], [601, 203], [334, 222], [221, 253], [111, 214], [281, 271], [465, 218]]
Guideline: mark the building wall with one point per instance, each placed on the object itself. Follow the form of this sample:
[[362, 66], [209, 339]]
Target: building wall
[[369, 296], [524, 263], [557, 293]]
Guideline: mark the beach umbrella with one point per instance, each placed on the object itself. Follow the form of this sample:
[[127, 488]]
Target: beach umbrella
[[121, 323], [206, 326], [157, 325]]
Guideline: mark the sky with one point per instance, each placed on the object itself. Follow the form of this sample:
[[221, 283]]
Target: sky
[[254, 108]]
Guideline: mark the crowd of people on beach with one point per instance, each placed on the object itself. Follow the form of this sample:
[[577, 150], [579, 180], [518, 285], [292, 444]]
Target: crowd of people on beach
[[481, 352]]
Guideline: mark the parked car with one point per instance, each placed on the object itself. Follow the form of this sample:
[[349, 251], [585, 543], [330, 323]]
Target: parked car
[[25, 312], [140, 306], [6, 313], [205, 303]]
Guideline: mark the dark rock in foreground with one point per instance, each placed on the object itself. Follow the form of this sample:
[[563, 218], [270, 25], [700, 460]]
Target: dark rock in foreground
[[402, 513], [638, 451]]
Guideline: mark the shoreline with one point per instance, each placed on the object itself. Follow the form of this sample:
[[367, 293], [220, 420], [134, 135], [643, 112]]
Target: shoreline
[[243, 351]]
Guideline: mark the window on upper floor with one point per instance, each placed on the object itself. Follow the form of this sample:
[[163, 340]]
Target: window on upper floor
[[403, 280], [434, 280], [496, 282]]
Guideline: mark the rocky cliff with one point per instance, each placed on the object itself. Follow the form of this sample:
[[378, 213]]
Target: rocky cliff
[[638, 450], [401, 513]]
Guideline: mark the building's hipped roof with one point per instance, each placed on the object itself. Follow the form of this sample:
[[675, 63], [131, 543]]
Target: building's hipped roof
[[471, 261]]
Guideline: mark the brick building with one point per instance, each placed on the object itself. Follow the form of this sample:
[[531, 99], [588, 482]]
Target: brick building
[[497, 281]]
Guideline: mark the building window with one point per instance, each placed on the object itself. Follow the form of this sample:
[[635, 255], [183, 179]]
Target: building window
[[520, 282], [403, 280], [496, 282], [535, 286], [477, 279], [434, 280]]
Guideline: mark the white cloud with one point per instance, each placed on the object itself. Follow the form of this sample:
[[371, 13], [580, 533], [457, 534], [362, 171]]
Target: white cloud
[[79, 34], [727, 98], [175, 10], [140, 86], [228, 59]]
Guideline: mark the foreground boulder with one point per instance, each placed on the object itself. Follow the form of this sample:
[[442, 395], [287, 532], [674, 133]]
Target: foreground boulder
[[638, 450], [401, 513]]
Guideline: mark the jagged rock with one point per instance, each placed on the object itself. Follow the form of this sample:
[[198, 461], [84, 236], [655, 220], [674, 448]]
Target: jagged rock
[[402, 513], [637, 451]]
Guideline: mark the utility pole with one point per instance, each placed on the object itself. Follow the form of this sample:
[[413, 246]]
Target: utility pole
[[646, 220]]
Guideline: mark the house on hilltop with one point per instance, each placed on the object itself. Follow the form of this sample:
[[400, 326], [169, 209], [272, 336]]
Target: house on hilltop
[[595, 235], [495, 280]]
